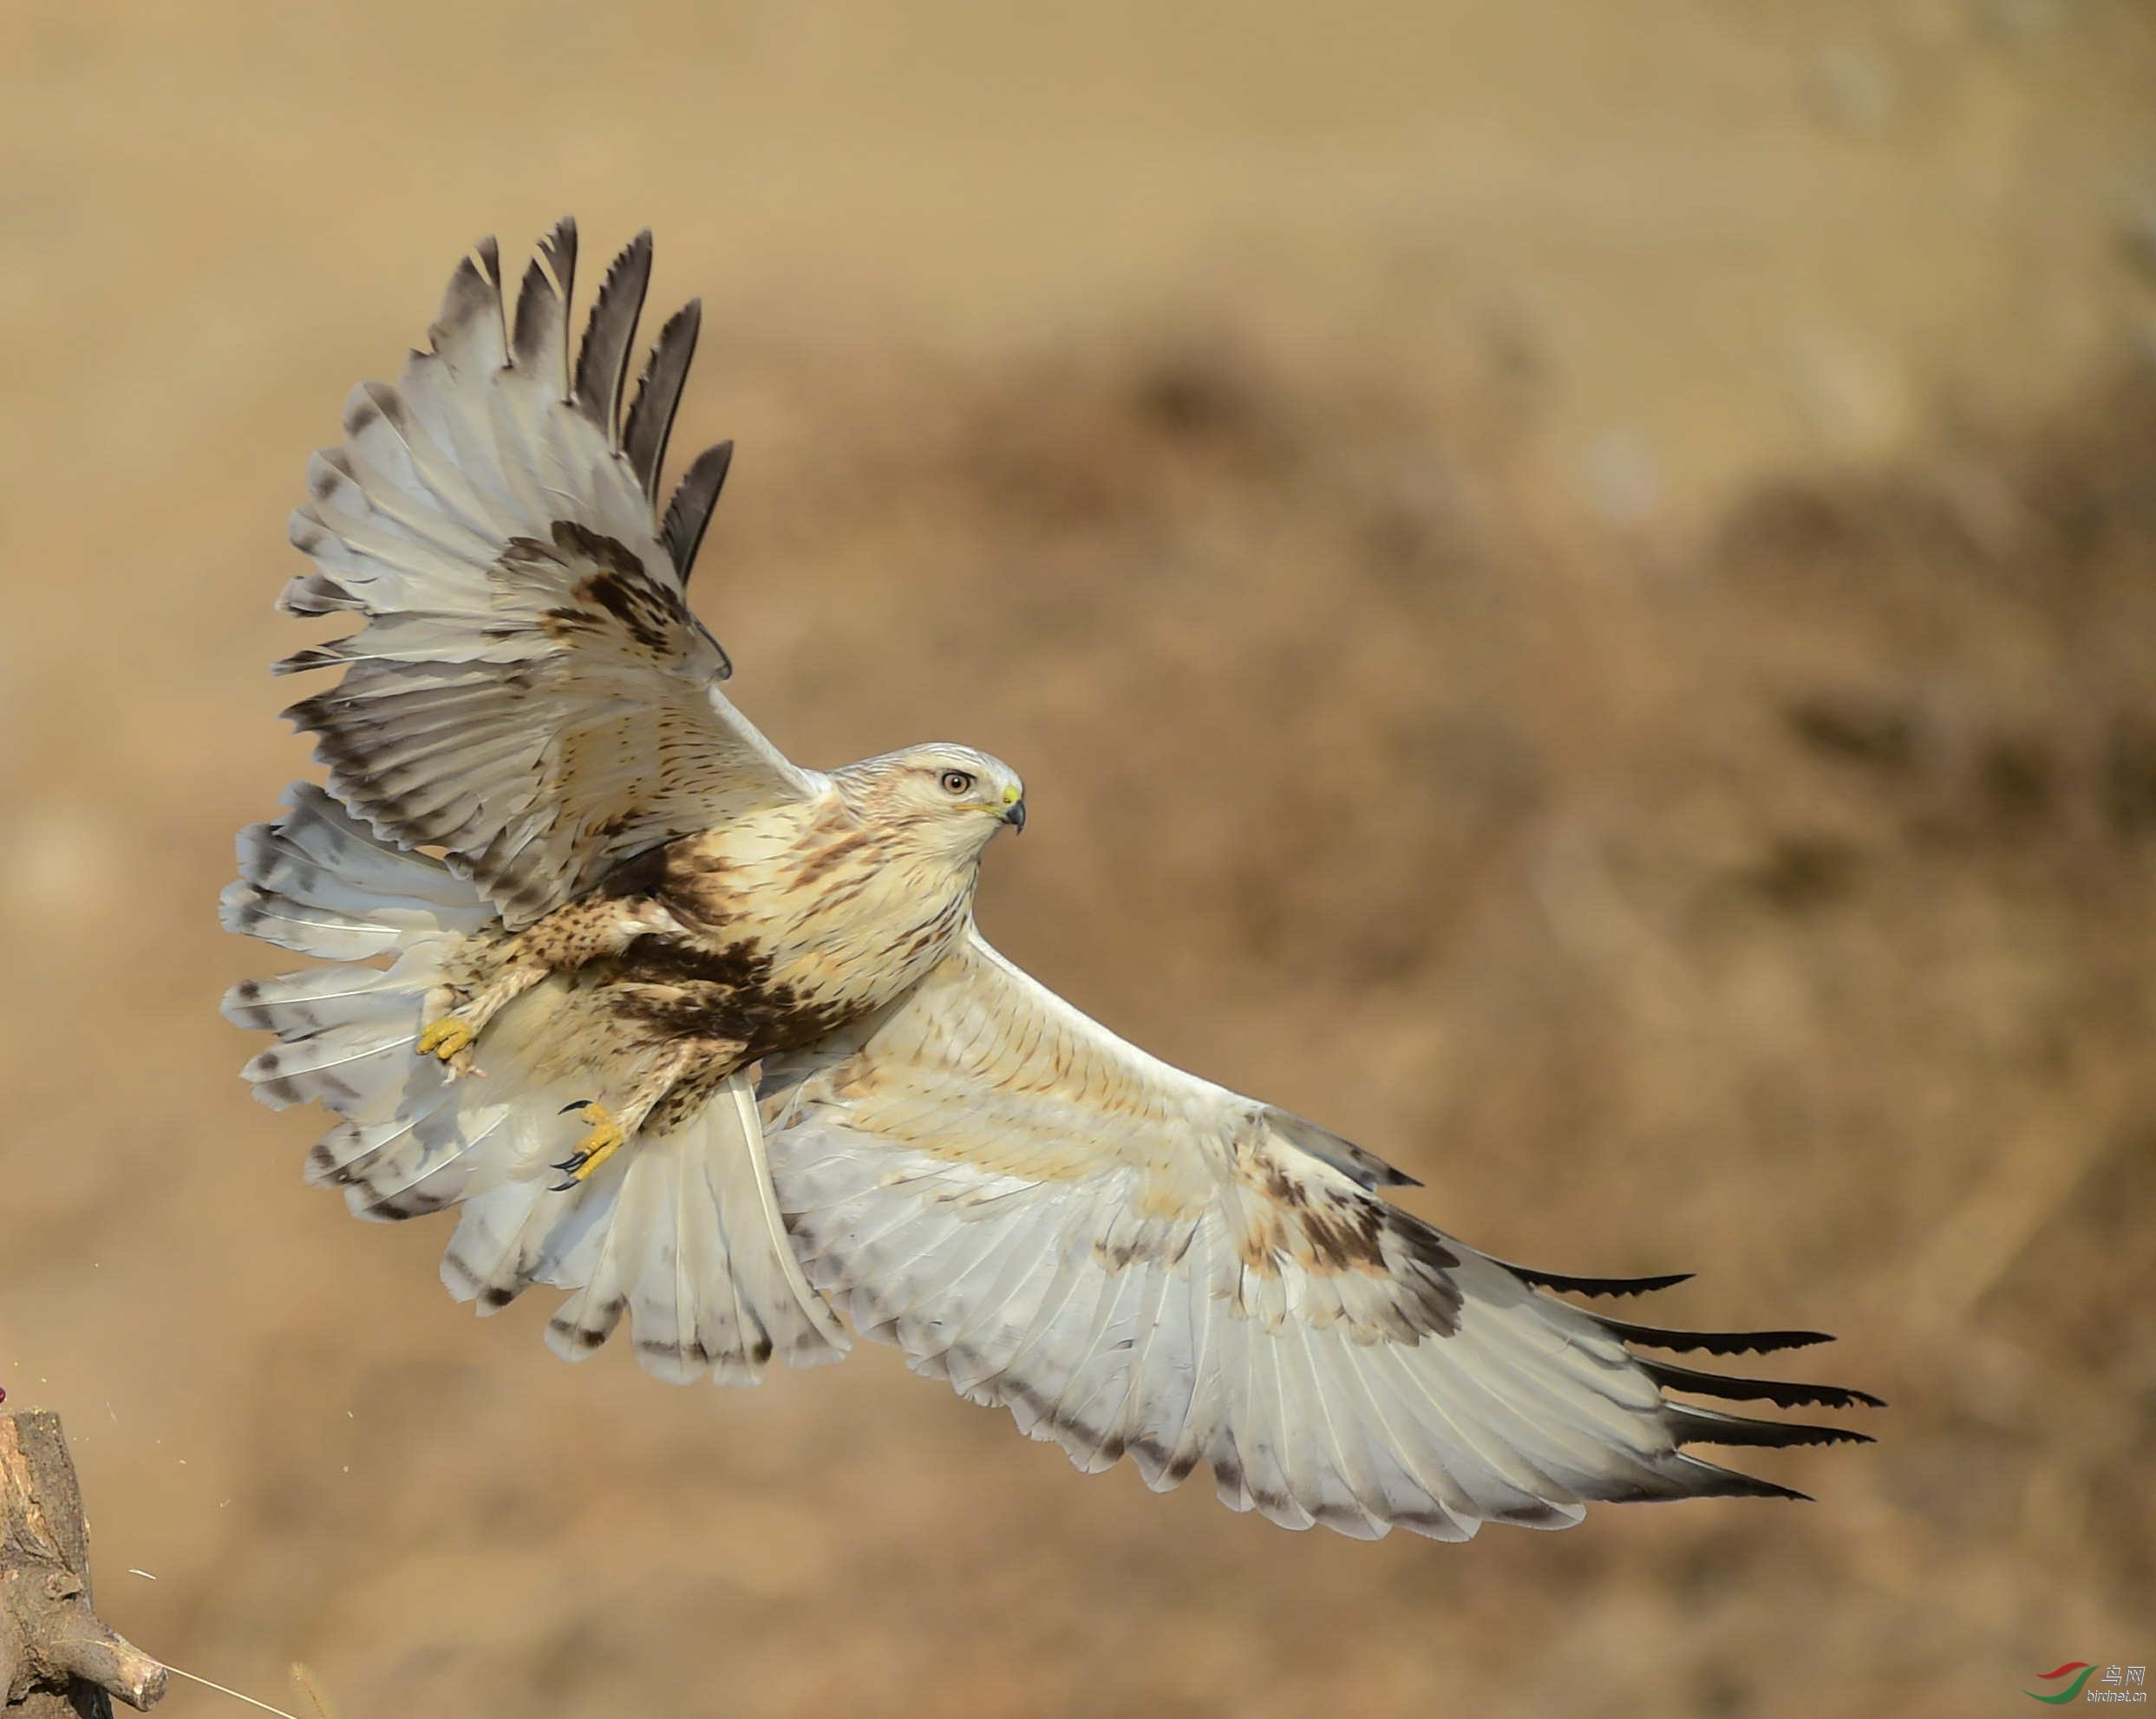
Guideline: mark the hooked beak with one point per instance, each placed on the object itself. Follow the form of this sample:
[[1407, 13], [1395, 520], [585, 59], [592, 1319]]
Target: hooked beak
[[1015, 815]]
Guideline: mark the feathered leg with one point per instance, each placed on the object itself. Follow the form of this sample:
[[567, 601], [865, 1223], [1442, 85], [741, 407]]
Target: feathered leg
[[584, 931]]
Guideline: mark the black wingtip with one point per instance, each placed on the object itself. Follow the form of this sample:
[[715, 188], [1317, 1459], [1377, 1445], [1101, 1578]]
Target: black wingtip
[[473, 291], [537, 305], [690, 512], [1568, 1284], [1710, 1343], [1782, 1393], [302, 661], [658, 396], [1753, 1487], [539, 333], [610, 336], [1708, 1426], [559, 249]]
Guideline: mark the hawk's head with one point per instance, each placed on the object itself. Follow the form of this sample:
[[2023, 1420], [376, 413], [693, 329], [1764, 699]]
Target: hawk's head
[[950, 798]]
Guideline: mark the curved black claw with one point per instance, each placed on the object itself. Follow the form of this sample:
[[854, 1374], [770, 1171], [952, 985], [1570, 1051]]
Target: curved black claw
[[603, 1138]]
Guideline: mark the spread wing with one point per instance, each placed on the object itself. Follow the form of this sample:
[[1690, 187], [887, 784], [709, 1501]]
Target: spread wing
[[1134, 1261], [529, 690]]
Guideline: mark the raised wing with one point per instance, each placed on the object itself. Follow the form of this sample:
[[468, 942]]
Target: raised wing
[[530, 692], [1134, 1261]]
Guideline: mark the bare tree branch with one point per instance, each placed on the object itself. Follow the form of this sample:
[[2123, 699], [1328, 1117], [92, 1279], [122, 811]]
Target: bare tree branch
[[58, 1658]]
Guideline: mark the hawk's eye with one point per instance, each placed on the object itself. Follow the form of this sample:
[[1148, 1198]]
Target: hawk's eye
[[957, 781]]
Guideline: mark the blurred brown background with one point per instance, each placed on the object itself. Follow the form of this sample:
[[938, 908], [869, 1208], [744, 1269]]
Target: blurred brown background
[[1574, 584]]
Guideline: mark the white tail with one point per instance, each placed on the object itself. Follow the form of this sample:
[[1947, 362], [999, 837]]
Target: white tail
[[681, 1231]]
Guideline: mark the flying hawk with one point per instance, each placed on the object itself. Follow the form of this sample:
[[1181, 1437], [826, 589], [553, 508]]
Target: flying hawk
[[711, 1039]]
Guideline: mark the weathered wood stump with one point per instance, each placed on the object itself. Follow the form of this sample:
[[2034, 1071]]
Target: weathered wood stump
[[57, 1659]]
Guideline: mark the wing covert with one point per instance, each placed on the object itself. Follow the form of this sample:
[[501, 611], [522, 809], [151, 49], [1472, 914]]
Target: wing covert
[[1134, 1261], [529, 690]]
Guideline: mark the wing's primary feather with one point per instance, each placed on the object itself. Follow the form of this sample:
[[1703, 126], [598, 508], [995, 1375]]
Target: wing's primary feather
[[658, 394], [690, 512], [1134, 1261], [529, 691], [603, 361]]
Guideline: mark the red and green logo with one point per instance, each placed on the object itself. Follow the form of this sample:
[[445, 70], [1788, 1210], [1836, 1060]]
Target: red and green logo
[[2079, 1668]]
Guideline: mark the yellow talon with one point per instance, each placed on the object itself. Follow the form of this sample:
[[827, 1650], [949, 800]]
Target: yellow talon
[[601, 1142], [449, 1037]]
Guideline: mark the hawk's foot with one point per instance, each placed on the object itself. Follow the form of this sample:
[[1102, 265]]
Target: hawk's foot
[[451, 1039], [601, 1142]]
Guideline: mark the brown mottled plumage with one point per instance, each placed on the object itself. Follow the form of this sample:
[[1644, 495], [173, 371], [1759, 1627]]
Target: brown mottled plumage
[[569, 900], [712, 952]]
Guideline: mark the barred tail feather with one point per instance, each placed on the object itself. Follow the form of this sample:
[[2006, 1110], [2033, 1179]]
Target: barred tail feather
[[680, 1232], [681, 1235]]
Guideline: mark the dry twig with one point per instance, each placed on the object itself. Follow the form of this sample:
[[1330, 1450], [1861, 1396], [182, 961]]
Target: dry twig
[[57, 1659]]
